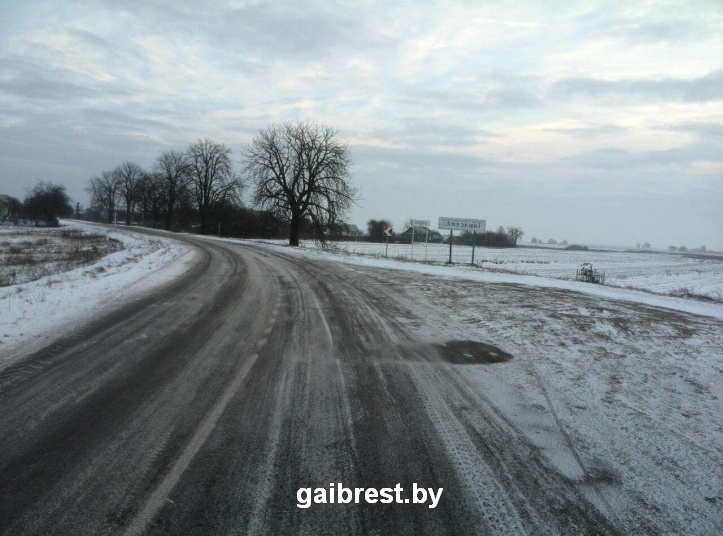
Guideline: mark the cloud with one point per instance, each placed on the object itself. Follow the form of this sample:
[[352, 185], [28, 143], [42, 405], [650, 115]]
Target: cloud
[[702, 89], [620, 159], [39, 86], [712, 132], [274, 31], [592, 132], [642, 31], [424, 135]]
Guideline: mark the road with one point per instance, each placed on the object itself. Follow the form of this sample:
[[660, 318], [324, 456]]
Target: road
[[203, 407]]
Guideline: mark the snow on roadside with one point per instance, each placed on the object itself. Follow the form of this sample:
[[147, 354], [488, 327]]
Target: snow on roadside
[[624, 399], [656, 272], [36, 313], [621, 398], [710, 309]]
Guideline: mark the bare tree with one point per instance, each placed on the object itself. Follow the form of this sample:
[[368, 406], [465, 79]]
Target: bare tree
[[211, 177], [301, 172], [103, 192], [515, 233], [10, 208], [48, 201], [129, 176], [173, 166]]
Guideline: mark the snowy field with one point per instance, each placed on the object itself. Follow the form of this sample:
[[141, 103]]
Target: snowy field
[[36, 312], [661, 273]]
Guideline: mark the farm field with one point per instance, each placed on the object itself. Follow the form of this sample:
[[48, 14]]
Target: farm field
[[661, 273]]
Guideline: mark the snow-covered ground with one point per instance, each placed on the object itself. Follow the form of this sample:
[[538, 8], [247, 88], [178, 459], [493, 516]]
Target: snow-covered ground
[[490, 274], [661, 273], [620, 388], [34, 313]]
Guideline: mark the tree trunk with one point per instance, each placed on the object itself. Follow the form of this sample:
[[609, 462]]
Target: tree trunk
[[169, 215], [202, 215], [295, 230]]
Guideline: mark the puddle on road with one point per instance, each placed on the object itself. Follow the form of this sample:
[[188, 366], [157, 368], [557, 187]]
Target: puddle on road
[[472, 353]]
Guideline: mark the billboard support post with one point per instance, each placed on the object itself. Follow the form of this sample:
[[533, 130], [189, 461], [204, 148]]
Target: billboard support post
[[450, 246], [420, 223], [462, 224], [426, 239], [412, 254], [474, 239]]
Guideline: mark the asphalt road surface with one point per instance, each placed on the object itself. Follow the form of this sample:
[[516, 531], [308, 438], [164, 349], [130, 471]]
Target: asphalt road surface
[[203, 407]]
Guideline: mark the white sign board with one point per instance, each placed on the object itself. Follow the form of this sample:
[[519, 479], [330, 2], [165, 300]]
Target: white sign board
[[420, 223], [462, 224]]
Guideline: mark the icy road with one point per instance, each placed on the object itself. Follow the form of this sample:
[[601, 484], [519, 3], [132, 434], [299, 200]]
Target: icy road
[[204, 406]]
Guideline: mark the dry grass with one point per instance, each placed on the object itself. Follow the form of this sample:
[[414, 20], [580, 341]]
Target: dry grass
[[30, 254], [685, 292]]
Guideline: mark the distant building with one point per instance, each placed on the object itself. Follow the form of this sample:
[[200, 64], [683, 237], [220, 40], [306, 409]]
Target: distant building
[[346, 230], [420, 234], [352, 230]]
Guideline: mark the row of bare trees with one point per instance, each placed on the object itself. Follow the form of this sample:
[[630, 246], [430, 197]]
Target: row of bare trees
[[202, 174], [300, 173]]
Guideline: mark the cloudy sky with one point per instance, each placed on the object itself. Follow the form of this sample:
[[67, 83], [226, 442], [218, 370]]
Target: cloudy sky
[[595, 122]]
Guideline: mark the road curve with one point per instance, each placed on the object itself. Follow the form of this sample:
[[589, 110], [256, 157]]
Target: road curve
[[203, 407]]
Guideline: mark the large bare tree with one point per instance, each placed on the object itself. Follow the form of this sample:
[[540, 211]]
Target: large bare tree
[[129, 176], [174, 168], [301, 173], [103, 192], [211, 177]]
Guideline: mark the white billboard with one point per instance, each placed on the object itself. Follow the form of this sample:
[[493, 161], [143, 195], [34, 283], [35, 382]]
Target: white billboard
[[462, 224], [420, 223]]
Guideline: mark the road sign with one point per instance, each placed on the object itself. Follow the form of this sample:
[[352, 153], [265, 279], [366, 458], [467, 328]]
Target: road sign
[[388, 231], [420, 223], [462, 224]]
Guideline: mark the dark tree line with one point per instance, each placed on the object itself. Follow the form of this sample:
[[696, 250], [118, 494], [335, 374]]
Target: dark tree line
[[490, 239], [181, 188], [299, 172]]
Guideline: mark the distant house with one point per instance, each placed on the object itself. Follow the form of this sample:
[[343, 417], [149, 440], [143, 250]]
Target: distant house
[[345, 230], [349, 229], [420, 234]]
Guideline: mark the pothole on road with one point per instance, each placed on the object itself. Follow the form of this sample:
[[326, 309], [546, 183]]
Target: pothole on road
[[472, 353]]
